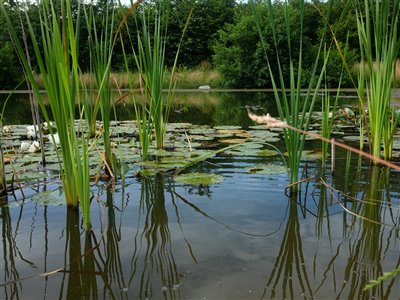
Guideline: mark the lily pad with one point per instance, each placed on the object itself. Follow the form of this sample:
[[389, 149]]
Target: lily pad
[[163, 165], [243, 151], [267, 169], [199, 178], [227, 127], [355, 138], [233, 141], [53, 198], [311, 154]]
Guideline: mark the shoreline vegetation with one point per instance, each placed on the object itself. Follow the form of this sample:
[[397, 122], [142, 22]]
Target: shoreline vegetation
[[187, 79]]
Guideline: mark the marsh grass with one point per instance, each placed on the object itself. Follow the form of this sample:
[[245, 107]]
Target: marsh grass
[[293, 108], [328, 115], [377, 23], [151, 23], [101, 46], [58, 65]]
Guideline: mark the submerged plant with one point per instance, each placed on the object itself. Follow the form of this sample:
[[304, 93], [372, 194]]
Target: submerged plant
[[293, 108], [58, 64], [377, 24]]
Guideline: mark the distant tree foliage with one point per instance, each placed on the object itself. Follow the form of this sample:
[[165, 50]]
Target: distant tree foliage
[[221, 34], [240, 58]]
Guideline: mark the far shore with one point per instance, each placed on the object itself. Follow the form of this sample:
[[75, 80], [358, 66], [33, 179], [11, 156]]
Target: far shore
[[216, 90]]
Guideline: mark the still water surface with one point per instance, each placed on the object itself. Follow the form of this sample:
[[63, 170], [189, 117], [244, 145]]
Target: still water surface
[[244, 238]]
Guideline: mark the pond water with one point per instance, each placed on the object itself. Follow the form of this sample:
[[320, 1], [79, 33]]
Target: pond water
[[243, 238]]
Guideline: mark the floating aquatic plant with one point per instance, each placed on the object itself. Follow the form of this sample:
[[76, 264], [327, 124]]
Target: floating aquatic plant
[[197, 178]]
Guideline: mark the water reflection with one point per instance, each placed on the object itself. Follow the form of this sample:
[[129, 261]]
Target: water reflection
[[79, 274], [370, 240], [369, 232], [290, 270], [214, 108], [141, 248], [113, 265], [10, 250], [159, 264]]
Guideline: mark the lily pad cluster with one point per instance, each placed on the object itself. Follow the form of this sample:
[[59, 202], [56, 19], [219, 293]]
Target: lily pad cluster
[[185, 143]]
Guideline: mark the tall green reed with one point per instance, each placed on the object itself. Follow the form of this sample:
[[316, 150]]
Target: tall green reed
[[101, 45], [151, 22], [328, 115], [293, 108], [377, 24], [58, 64]]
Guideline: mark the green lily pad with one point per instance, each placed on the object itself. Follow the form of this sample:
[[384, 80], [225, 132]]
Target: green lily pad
[[53, 198], [202, 138], [311, 154], [202, 131], [163, 165], [29, 176], [396, 143], [251, 152], [233, 141], [267, 169], [355, 138], [199, 178], [227, 127], [262, 134]]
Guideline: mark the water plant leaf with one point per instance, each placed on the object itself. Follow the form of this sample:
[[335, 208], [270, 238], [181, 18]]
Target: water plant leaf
[[311, 154], [353, 138], [53, 198], [252, 152], [164, 165], [267, 169], [227, 127], [198, 178], [233, 141]]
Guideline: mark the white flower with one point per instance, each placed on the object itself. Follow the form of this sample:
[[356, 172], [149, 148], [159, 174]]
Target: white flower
[[31, 132], [56, 139], [25, 146], [46, 126], [6, 129], [34, 147]]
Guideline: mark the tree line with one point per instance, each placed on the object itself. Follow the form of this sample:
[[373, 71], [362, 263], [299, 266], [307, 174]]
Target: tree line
[[221, 35]]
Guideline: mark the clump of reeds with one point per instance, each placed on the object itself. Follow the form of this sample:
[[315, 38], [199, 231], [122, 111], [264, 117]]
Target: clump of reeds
[[58, 64], [377, 24], [101, 47], [293, 108], [149, 55]]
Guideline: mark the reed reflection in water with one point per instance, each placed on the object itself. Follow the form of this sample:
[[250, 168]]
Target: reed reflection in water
[[156, 239]]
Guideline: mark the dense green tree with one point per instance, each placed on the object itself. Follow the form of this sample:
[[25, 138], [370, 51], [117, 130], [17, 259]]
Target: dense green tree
[[207, 18], [238, 54], [221, 32], [10, 74]]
